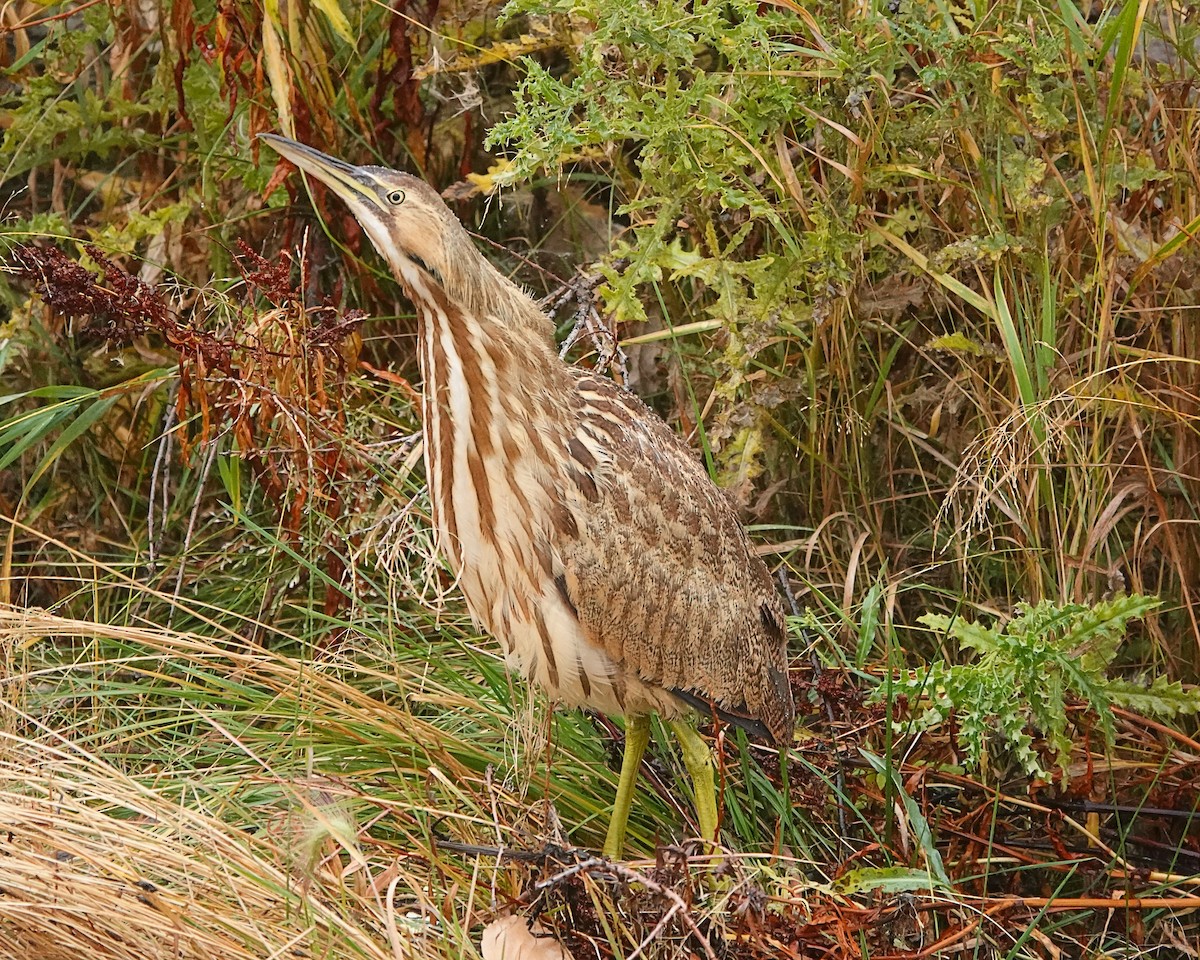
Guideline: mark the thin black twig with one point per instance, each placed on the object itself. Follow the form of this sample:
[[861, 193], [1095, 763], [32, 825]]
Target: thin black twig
[[551, 853]]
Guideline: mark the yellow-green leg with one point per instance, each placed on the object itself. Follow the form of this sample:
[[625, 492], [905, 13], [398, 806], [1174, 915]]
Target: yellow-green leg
[[637, 735], [698, 760]]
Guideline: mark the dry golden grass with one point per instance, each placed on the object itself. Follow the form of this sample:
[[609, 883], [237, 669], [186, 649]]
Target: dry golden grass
[[255, 722], [96, 864], [113, 854], [99, 862]]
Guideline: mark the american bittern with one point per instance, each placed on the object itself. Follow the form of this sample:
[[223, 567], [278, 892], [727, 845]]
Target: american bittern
[[585, 534]]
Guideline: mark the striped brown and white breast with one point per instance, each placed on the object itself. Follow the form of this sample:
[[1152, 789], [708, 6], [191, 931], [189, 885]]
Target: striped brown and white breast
[[492, 437]]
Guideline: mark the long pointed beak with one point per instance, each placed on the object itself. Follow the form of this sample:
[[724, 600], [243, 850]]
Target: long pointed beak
[[353, 184]]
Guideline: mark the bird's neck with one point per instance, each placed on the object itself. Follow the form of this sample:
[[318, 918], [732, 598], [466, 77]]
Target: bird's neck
[[489, 368], [468, 284], [480, 335]]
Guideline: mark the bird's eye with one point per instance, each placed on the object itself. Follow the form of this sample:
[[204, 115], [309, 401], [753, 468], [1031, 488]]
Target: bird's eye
[[396, 197]]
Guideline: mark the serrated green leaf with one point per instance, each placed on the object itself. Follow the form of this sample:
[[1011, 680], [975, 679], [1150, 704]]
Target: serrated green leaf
[[966, 632], [1163, 697], [1025, 672]]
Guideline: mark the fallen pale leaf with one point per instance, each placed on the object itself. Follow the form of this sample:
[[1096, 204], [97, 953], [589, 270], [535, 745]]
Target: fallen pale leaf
[[512, 938]]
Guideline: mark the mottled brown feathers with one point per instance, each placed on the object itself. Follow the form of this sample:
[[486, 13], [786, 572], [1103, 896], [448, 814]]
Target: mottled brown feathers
[[673, 590]]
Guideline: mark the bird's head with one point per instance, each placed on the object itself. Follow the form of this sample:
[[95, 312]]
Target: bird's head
[[423, 242], [405, 218]]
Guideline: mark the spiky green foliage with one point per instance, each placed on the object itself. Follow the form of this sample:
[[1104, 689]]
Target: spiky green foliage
[[1026, 672], [686, 106]]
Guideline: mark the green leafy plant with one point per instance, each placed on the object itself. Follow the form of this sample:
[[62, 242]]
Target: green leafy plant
[[1025, 673], [682, 105]]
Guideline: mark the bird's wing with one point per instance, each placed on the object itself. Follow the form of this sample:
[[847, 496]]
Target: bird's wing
[[658, 568]]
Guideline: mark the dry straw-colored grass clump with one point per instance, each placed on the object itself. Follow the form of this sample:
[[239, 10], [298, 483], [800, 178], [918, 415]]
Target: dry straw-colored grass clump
[[231, 848], [95, 864], [106, 861]]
